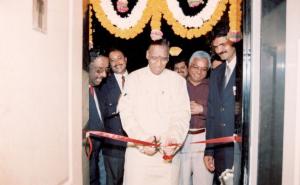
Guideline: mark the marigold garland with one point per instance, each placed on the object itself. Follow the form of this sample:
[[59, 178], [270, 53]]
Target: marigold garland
[[157, 9], [235, 15], [122, 33], [90, 27], [194, 21], [190, 33], [235, 19], [156, 17]]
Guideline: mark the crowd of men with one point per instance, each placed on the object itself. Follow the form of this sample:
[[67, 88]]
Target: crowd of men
[[165, 107]]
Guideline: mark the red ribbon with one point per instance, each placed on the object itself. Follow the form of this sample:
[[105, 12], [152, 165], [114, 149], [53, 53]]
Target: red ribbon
[[120, 138], [228, 139], [114, 137]]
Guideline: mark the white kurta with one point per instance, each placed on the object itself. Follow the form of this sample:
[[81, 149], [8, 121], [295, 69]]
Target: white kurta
[[153, 105]]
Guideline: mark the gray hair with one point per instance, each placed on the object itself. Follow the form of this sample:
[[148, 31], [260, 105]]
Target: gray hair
[[200, 55]]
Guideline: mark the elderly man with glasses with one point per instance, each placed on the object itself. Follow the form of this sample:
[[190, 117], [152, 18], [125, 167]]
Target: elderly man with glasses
[[154, 107], [193, 170]]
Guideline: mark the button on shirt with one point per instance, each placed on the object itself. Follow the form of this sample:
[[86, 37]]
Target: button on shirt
[[199, 94]]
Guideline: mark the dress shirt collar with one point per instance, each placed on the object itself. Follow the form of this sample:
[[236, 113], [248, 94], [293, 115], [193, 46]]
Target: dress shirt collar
[[119, 78], [231, 64]]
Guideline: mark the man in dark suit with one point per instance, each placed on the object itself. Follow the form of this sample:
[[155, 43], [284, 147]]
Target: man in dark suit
[[114, 151], [97, 69], [222, 101]]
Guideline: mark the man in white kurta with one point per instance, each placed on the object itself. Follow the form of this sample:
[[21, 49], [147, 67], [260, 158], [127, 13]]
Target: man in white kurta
[[155, 102]]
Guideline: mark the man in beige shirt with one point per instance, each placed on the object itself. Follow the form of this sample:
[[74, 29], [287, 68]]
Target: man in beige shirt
[[154, 106]]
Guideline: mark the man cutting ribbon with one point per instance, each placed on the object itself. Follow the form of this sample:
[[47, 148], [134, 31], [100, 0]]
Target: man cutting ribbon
[[154, 107]]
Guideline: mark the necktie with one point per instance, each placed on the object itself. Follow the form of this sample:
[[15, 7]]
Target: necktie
[[123, 81], [227, 75], [91, 90]]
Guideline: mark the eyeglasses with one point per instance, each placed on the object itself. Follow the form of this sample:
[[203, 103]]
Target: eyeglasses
[[194, 67], [101, 70], [156, 58]]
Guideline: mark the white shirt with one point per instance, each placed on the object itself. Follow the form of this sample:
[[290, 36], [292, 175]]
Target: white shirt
[[119, 79], [97, 103], [153, 105], [231, 65], [150, 102]]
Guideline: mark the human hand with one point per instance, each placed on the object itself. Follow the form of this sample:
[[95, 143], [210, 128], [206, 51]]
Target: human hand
[[169, 146], [196, 108], [209, 163], [150, 150]]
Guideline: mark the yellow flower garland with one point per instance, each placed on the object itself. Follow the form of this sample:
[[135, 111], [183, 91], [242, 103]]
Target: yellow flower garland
[[122, 33], [235, 15], [235, 19], [156, 9], [190, 33], [156, 16], [90, 25]]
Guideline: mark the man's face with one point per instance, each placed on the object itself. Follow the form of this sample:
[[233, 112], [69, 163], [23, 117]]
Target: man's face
[[158, 57], [198, 70], [223, 47], [181, 69], [98, 70], [117, 62]]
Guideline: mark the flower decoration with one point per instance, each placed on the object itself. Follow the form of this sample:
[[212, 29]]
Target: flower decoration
[[185, 26], [122, 6], [235, 19], [127, 27], [189, 33], [123, 22], [156, 35], [155, 24], [195, 21], [194, 3], [175, 51], [91, 30]]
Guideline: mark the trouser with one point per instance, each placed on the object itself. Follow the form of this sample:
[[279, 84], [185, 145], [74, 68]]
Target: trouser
[[114, 167], [192, 167], [223, 156], [96, 172], [231, 176], [102, 173]]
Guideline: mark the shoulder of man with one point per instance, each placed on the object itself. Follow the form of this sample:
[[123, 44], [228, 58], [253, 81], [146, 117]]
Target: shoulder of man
[[174, 75], [218, 70], [136, 73]]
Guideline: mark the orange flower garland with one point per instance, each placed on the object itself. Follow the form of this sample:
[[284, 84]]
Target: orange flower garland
[[157, 9]]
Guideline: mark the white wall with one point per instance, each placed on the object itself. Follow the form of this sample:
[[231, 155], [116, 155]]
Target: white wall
[[291, 153], [40, 96]]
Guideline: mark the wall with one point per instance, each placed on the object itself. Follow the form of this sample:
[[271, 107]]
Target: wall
[[40, 98], [291, 159]]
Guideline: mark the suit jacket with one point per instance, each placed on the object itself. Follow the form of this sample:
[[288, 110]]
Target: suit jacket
[[110, 93], [94, 122], [221, 116]]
